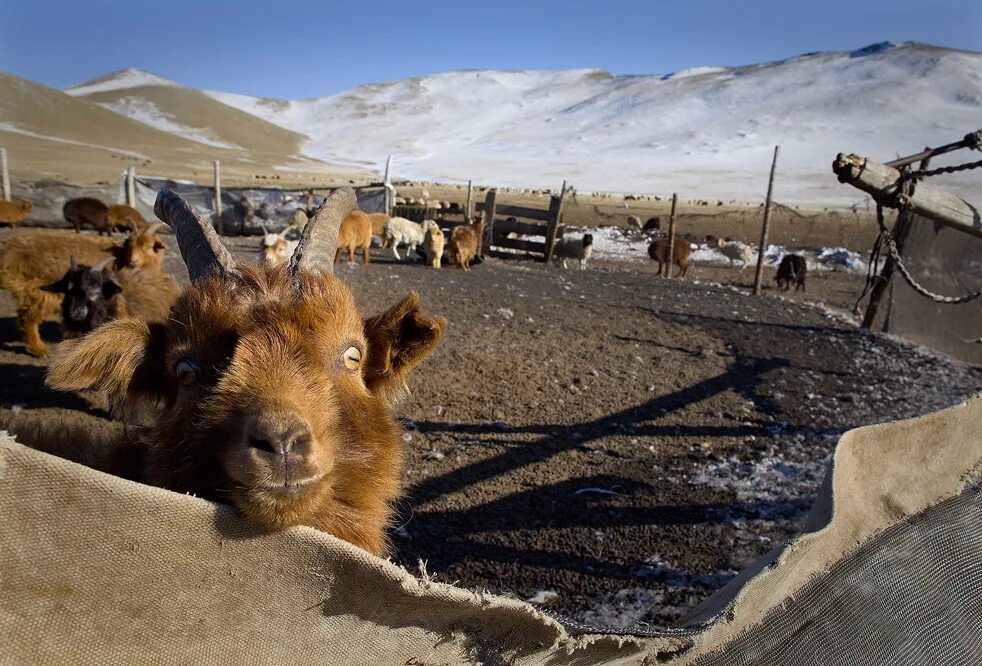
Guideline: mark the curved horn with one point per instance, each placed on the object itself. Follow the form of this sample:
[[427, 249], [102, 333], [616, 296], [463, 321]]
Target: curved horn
[[102, 265], [319, 239], [263, 227], [153, 228], [201, 248]]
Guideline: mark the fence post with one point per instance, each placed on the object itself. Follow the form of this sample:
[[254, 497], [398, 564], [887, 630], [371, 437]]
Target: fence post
[[469, 207], [759, 275], [4, 174], [387, 186], [552, 226], [218, 198], [131, 187], [671, 235], [488, 222]]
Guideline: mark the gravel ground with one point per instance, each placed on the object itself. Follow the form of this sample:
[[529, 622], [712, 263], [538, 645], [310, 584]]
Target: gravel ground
[[614, 444]]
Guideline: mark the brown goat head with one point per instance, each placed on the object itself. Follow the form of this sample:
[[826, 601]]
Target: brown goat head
[[143, 249], [269, 388]]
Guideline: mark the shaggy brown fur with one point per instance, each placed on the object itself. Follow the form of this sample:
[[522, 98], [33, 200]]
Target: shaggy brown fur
[[125, 218], [356, 231], [252, 357], [658, 250], [465, 243], [87, 211], [12, 212], [33, 259], [378, 223], [792, 270]]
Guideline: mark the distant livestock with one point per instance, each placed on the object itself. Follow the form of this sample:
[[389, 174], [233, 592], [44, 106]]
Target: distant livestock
[[434, 241], [465, 244], [12, 212], [791, 270], [355, 232], [658, 250], [90, 212], [736, 251], [634, 222], [275, 249], [125, 218], [580, 249], [400, 231]]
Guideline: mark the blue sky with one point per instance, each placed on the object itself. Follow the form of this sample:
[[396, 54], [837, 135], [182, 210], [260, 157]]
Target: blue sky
[[290, 49]]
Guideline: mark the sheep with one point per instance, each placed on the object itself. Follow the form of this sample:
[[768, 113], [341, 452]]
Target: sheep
[[400, 231], [265, 387], [93, 296], [355, 232], [12, 212], [634, 222], [736, 251], [465, 243], [35, 258], [792, 269], [573, 248], [658, 250], [433, 243]]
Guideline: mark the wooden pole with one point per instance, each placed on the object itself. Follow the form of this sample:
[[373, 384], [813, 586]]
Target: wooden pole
[[488, 222], [218, 198], [886, 275], [131, 187], [552, 226], [387, 182], [759, 275], [469, 207], [4, 174], [671, 235], [883, 183]]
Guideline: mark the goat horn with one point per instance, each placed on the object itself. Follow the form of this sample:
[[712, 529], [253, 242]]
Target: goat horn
[[263, 227], [201, 248], [103, 264], [153, 228], [319, 239]]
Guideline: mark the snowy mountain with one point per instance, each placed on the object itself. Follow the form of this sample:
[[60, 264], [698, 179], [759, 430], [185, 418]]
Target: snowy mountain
[[706, 132]]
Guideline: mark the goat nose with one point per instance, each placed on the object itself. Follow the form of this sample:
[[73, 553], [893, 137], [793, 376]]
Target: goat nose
[[280, 439]]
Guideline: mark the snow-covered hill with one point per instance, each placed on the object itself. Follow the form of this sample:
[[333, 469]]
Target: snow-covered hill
[[706, 132]]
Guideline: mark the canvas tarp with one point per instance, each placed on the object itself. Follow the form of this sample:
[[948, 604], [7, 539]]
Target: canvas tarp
[[97, 569]]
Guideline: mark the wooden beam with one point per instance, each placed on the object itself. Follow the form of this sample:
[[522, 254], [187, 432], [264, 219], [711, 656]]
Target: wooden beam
[[671, 235], [555, 215], [469, 206], [507, 227], [131, 186], [4, 175], [519, 244], [489, 215], [503, 210], [759, 274], [883, 184]]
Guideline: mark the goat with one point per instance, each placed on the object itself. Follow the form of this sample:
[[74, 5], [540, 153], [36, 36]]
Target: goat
[[465, 243], [93, 296], [573, 248], [378, 223], [265, 385], [87, 211], [12, 212], [433, 243], [275, 249], [792, 269], [658, 250], [121, 217], [355, 232], [35, 258], [400, 231], [736, 251]]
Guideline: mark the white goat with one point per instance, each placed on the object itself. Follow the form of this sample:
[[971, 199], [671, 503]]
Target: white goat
[[275, 249], [573, 248], [736, 251], [400, 231]]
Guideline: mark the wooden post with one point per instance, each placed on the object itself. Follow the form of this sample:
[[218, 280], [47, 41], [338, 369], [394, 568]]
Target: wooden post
[[883, 183], [387, 186], [488, 222], [4, 174], [218, 198], [886, 275], [469, 207], [131, 187], [671, 235], [552, 226], [759, 275]]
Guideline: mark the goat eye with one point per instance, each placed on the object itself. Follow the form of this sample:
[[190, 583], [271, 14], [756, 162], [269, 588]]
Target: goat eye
[[187, 371], [352, 358]]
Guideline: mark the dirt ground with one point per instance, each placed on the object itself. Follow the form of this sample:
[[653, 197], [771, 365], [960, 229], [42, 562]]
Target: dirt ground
[[618, 442]]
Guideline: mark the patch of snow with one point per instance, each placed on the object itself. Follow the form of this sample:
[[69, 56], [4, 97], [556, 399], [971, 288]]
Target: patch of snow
[[144, 111], [10, 127], [694, 71], [127, 78]]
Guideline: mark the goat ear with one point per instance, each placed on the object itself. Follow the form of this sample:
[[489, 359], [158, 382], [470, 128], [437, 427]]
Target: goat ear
[[124, 358], [59, 287], [110, 286], [398, 339]]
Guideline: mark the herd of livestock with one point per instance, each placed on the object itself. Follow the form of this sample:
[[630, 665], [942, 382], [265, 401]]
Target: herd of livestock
[[259, 383]]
